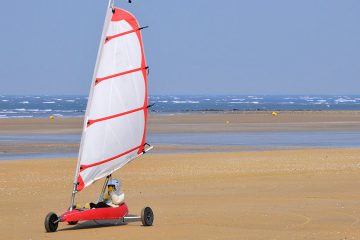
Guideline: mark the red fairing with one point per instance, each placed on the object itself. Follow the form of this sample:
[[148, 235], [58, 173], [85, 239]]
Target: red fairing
[[95, 214]]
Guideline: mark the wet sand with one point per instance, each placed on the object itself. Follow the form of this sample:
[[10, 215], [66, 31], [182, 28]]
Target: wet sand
[[204, 122], [194, 123], [279, 194]]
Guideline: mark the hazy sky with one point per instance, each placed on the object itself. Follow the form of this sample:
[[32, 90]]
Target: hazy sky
[[192, 46]]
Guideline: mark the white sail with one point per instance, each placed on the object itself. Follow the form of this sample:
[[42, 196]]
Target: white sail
[[115, 119]]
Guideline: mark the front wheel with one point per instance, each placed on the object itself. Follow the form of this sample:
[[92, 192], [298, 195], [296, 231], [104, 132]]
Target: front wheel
[[51, 222], [147, 216]]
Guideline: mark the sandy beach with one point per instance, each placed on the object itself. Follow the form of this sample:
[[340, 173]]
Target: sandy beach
[[195, 123], [275, 194], [242, 121]]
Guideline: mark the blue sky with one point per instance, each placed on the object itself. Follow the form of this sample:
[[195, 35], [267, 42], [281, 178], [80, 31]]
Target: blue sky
[[192, 47]]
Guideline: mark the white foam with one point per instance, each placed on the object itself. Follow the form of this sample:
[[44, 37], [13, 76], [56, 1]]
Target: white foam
[[20, 109], [70, 100], [185, 101], [254, 102], [343, 100], [4, 100], [48, 102], [307, 98], [25, 116], [287, 102], [65, 111], [6, 111], [319, 102], [24, 102]]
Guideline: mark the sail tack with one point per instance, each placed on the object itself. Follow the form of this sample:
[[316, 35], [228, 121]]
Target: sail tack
[[115, 119]]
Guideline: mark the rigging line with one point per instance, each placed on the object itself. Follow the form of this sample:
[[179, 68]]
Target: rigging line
[[90, 122], [108, 38], [151, 105], [98, 80]]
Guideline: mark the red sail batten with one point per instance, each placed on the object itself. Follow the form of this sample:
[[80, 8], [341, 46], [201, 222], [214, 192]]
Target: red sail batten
[[84, 167], [108, 38], [90, 122], [99, 80]]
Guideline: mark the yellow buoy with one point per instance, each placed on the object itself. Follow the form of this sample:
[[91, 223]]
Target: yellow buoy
[[274, 114], [51, 117]]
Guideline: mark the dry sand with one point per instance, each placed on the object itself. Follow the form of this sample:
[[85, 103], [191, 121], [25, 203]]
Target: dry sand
[[282, 194], [289, 194]]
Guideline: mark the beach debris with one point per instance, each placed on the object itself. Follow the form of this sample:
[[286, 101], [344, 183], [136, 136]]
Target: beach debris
[[227, 122], [274, 114]]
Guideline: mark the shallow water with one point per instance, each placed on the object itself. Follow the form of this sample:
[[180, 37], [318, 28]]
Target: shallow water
[[41, 138], [257, 140], [38, 155], [264, 139]]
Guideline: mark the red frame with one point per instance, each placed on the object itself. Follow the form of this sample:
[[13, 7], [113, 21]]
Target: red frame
[[95, 214]]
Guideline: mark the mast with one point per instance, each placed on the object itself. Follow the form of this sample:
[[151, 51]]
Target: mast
[[103, 35], [114, 130]]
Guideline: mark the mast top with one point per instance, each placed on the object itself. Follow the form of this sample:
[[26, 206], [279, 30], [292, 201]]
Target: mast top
[[112, 3]]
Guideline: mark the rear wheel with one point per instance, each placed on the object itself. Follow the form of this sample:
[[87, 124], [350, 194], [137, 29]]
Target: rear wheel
[[51, 223], [147, 216]]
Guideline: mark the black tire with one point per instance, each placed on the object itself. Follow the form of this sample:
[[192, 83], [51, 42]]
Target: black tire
[[73, 223], [147, 216], [50, 224]]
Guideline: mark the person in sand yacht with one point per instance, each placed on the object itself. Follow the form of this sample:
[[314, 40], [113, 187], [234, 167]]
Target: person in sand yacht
[[113, 198]]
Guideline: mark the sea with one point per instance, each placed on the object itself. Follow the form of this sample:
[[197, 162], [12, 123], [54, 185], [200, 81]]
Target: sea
[[74, 105]]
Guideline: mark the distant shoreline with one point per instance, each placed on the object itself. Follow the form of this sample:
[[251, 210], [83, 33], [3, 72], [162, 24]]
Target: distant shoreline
[[194, 132], [220, 121], [197, 112], [74, 106]]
